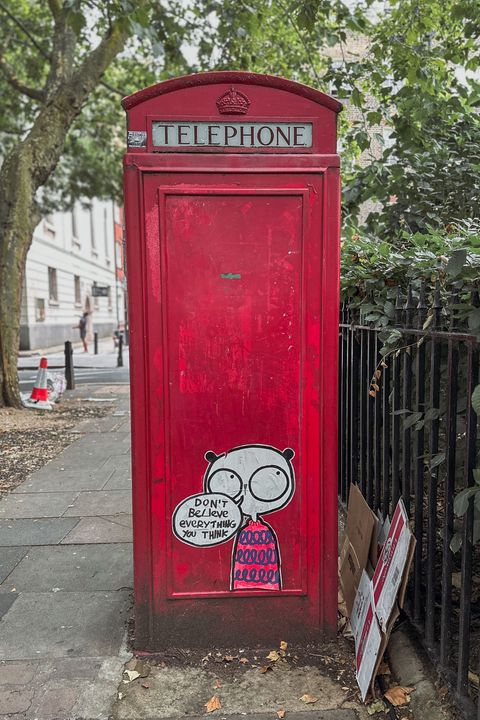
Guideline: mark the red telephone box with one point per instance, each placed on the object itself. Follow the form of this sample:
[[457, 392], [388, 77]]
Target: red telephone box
[[232, 225]]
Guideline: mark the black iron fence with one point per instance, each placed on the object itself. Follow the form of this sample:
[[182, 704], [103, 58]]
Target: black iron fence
[[408, 428]]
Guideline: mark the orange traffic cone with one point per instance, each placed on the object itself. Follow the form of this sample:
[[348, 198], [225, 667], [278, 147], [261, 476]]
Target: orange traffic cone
[[40, 391]]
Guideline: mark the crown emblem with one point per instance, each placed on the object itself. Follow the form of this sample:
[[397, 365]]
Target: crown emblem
[[233, 102]]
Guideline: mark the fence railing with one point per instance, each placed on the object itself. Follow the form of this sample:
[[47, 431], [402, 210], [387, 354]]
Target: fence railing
[[408, 428]]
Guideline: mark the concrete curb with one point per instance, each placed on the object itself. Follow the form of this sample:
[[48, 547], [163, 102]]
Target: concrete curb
[[412, 669]]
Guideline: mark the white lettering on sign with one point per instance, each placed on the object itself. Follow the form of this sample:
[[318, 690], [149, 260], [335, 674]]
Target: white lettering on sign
[[235, 134], [206, 519]]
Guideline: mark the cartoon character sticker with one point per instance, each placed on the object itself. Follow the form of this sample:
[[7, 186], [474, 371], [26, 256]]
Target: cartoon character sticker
[[240, 487]]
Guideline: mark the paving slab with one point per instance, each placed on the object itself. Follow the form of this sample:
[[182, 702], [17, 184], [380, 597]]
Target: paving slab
[[178, 692], [36, 505], [44, 531], [64, 624], [54, 480], [98, 530], [342, 714], [17, 673], [15, 701], [118, 462], [92, 503], [119, 480], [70, 668], [78, 459], [53, 703], [111, 444], [107, 424], [9, 558], [6, 601], [120, 519], [72, 568]]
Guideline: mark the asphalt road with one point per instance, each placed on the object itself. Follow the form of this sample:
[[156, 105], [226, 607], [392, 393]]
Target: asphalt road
[[95, 376]]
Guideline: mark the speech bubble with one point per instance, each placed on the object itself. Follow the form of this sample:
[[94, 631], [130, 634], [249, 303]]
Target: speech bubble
[[206, 519]]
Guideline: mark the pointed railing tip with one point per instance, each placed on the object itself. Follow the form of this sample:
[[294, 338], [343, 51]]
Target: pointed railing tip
[[422, 300], [398, 302], [437, 298], [409, 304]]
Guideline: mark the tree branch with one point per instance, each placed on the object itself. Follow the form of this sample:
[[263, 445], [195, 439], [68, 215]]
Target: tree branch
[[25, 31], [95, 64], [112, 89], [55, 8], [12, 80]]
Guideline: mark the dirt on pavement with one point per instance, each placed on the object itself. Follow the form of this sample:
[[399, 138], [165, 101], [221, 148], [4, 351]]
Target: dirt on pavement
[[29, 438]]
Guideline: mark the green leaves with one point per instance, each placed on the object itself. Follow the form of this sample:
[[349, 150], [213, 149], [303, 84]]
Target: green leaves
[[476, 400], [456, 262]]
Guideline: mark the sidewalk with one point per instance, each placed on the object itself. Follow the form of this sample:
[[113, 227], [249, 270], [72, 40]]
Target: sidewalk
[[65, 599], [106, 358], [66, 576]]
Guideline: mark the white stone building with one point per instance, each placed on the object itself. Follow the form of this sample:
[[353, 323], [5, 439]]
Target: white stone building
[[71, 252]]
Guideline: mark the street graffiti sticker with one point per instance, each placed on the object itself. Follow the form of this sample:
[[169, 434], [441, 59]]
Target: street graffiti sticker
[[240, 486]]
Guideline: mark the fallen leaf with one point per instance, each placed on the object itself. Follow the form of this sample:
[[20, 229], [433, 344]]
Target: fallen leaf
[[308, 699], [399, 695], [213, 704], [283, 645], [473, 678], [145, 685], [244, 660], [384, 669], [376, 707], [218, 684], [265, 668], [273, 656], [281, 714], [230, 658], [130, 675]]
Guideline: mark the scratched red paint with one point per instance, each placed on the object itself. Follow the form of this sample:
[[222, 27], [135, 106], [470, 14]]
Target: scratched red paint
[[233, 289]]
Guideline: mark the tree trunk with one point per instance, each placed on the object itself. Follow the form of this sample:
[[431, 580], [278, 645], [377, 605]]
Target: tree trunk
[[17, 222], [24, 171]]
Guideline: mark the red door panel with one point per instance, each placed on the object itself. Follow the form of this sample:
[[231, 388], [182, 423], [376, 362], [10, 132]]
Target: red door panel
[[235, 275]]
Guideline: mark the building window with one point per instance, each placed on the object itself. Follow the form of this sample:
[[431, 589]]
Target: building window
[[49, 226], [96, 304], [52, 285], [105, 236], [93, 239], [39, 309], [75, 223], [110, 306], [78, 292]]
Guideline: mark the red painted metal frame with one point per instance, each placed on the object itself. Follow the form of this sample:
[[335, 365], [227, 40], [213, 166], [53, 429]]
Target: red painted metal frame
[[162, 615]]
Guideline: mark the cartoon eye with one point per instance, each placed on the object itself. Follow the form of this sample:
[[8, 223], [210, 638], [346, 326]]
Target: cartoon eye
[[225, 481], [269, 483]]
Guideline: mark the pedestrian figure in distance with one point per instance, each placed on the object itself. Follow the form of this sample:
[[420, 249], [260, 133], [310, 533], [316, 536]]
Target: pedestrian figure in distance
[[82, 327]]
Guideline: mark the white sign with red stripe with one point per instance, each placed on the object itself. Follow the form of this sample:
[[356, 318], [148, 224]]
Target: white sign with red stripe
[[391, 565], [366, 632]]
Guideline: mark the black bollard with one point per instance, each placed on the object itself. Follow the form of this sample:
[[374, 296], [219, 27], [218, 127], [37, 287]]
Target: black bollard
[[69, 370], [120, 350], [95, 343]]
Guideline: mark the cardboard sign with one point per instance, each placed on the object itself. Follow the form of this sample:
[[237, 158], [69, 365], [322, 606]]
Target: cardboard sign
[[368, 638], [390, 568], [359, 550], [378, 593]]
